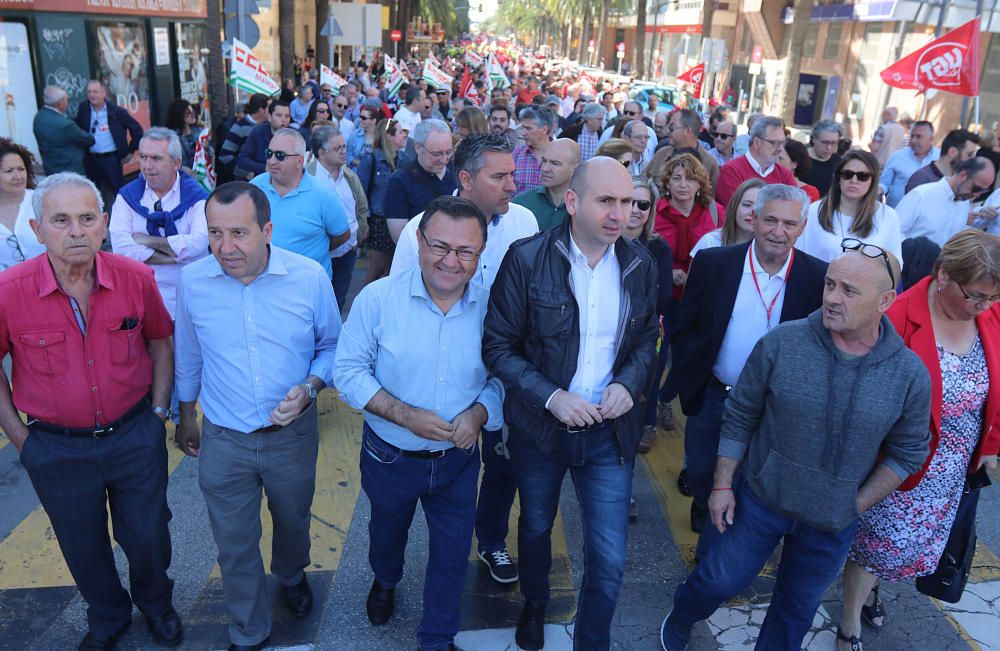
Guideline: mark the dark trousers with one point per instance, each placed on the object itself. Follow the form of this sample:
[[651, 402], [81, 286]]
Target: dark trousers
[[649, 411], [76, 480], [603, 482], [102, 168], [496, 492], [810, 561], [446, 489], [701, 451], [343, 271]]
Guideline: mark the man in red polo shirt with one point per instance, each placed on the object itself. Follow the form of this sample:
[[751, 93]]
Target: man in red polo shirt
[[92, 369], [767, 138]]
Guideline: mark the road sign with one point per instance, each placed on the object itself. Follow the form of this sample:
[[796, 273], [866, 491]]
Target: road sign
[[620, 54], [754, 69], [332, 28], [396, 36], [621, 46], [361, 24], [757, 55]]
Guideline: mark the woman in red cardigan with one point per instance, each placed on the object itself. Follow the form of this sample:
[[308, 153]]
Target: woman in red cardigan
[[685, 213], [952, 321]]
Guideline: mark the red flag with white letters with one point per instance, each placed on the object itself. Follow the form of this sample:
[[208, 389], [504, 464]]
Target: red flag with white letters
[[694, 76], [467, 89], [949, 63]]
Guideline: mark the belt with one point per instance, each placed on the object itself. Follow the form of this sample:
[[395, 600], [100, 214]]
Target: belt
[[269, 429], [570, 429], [719, 384], [104, 153], [92, 432], [415, 454]]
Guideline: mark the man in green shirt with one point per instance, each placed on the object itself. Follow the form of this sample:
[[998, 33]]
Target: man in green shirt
[[560, 160]]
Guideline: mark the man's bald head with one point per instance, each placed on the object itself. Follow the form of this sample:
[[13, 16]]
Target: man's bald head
[[858, 291], [565, 149], [559, 160], [602, 165]]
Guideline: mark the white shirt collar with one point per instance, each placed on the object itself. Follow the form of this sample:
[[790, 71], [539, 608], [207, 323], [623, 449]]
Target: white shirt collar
[[174, 190], [756, 166], [579, 256], [759, 268]]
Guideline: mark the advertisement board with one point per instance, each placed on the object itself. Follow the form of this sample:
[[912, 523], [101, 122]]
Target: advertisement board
[[123, 66], [17, 86]]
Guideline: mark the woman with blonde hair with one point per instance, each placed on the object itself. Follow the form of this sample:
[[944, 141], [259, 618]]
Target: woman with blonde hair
[[617, 148], [470, 120], [951, 320], [737, 227]]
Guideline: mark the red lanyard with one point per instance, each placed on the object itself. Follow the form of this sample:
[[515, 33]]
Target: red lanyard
[[784, 281]]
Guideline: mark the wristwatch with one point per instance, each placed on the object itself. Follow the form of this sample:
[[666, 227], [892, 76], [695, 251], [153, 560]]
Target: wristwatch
[[162, 412], [313, 392]]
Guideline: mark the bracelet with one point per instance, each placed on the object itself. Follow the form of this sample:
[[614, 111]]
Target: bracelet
[[721, 489]]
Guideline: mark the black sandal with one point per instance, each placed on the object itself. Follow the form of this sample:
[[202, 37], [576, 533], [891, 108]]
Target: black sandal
[[853, 640], [870, 613]]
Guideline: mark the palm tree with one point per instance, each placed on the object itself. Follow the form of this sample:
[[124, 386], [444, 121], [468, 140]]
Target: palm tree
[[322, 42], [793, 60], [602, 27], [640, 38], [286, 38]]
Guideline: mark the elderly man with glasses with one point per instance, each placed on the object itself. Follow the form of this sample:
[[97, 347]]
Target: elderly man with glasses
[[723, 137], [767, 139], [339, 117], [632, 110], [939, 210], [829, 410], [823, 143]]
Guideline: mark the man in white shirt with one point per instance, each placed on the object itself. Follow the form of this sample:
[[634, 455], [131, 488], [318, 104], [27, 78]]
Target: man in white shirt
[[723, 314], [484, 166], [632, 110], [904, 162], [408, 115], [939, 210], [339, 109], [637, 135], [159, 218]]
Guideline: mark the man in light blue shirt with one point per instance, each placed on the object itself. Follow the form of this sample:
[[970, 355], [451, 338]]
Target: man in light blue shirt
[[904, 162], [410, 356], [307, 217], [255, 339]]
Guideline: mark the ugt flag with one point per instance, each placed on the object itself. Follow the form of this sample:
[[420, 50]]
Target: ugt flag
[[949, 63], [694, 76]]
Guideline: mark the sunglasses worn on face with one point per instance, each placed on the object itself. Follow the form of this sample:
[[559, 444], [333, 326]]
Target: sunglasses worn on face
[[280, 155], [847, 175], [869, 251], [722, 136], [642, 204], [629, 113]]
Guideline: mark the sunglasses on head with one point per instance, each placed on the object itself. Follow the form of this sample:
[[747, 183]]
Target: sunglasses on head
[[280, 155], [642, 204], [869, 251], [847, 175]]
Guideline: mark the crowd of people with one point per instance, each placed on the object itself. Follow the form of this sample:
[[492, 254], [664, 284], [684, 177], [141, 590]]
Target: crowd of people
[[537, 262]]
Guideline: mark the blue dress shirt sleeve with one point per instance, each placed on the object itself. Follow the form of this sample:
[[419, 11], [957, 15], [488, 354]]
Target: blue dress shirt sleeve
[[187, 351], [491, 397], [327, 326], [354, 367]]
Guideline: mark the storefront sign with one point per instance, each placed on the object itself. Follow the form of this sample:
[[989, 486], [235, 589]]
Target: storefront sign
[[673, 29], [147, 8]]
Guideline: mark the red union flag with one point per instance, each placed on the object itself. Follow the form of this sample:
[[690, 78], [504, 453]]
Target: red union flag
[[694, 76], [468, 89], [949, 63]]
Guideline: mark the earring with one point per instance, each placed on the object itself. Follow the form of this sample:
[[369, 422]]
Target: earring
[[940, 289]]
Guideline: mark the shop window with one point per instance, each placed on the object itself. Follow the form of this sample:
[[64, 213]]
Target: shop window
[[834, 33]]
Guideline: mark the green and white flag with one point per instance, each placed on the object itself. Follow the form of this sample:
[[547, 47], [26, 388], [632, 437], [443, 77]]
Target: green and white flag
[[247, 73], [435, 76], [497, 75], [328, 76], [394, 76]]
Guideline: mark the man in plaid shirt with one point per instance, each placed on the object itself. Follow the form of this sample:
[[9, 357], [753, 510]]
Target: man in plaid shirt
[[535, 129]]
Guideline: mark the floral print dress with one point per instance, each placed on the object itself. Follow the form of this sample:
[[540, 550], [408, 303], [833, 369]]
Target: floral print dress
[[904, 535]]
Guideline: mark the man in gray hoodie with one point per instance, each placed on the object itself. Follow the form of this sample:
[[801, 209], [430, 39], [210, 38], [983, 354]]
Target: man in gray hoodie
[[830, 414]]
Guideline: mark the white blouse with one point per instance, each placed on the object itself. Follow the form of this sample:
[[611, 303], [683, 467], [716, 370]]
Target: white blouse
[[822, 244], [22, 238]]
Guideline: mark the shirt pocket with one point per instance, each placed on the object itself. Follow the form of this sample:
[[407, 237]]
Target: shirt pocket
[[45, 351], [124, 344]]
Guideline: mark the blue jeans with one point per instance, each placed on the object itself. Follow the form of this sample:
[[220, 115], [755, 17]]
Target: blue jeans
[[343, 272], [810, 561], [446, 488], [603, 482], [701, 451], [496, 493]]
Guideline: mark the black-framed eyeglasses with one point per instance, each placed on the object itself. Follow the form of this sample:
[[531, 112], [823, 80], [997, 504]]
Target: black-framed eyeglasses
[[869, 251], [977, 298], [642, 204], [441, 250], [280, 155], [14, 244]]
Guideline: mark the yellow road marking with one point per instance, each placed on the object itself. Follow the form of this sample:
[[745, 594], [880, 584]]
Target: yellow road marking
[[30, 556]]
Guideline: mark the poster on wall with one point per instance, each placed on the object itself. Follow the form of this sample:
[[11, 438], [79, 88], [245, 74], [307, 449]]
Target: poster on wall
[[192, 67], [122, 64], [17, 86]]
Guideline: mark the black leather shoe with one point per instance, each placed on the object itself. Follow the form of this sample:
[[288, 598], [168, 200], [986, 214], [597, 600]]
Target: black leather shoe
[[381, 603], [530, 634], [299, 598], [91, 642], [250, 647], [166, 629]]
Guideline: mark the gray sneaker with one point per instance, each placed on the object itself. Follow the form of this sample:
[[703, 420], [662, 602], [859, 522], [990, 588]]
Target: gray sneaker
[[502, 568]]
